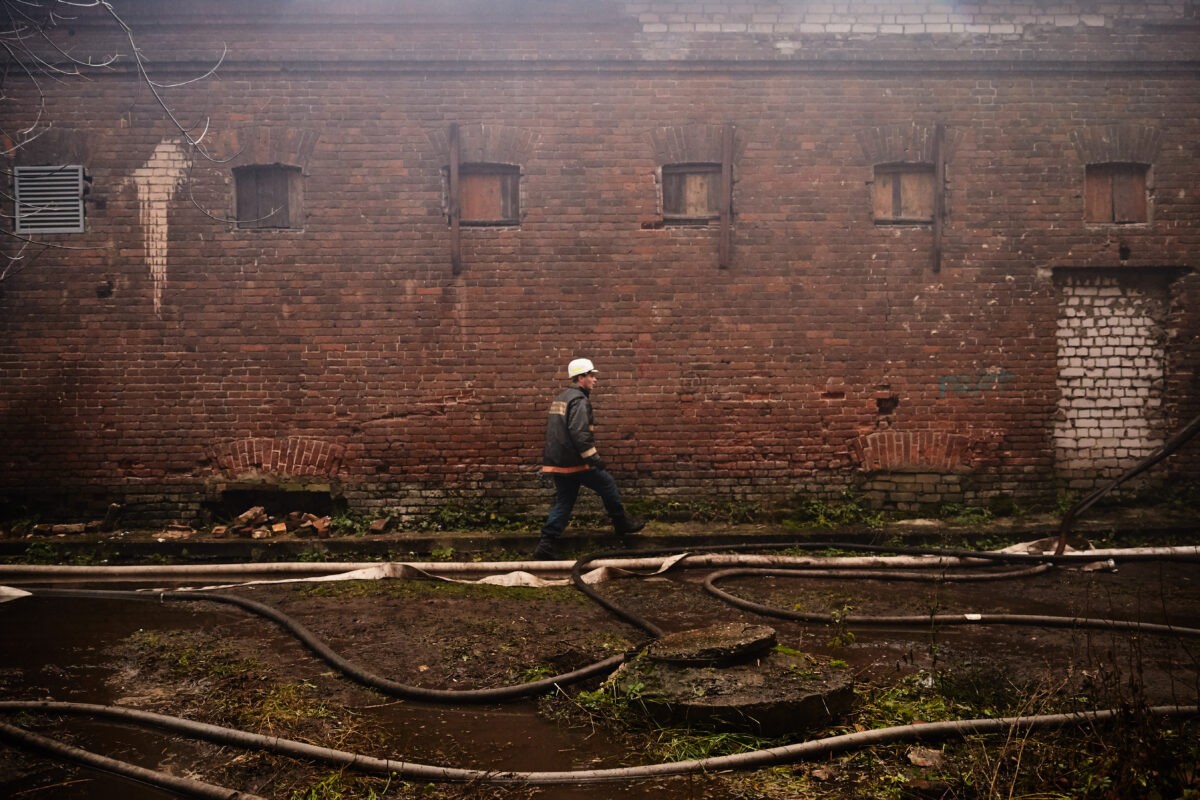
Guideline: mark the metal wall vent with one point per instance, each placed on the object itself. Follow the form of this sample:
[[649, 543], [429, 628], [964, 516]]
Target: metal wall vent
[[49, 199]]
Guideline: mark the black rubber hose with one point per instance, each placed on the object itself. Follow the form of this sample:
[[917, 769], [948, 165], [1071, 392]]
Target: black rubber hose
[[943, 619], [1033, 620], [820, 748], [61, 751], [348, 668], [656, 632]]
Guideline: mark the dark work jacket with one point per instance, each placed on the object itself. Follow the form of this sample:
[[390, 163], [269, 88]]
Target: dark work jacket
[[569, 437]]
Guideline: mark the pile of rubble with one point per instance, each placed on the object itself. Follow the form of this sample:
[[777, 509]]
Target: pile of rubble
[[256, 523]]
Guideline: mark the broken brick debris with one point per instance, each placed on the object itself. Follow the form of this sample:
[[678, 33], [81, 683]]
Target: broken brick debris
[[256, 523]]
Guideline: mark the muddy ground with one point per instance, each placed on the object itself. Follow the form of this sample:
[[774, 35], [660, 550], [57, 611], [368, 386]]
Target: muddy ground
[[222, 665]]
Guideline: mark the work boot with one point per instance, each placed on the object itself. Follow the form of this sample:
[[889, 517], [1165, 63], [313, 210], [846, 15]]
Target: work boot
[[545, 550], [628, 525]]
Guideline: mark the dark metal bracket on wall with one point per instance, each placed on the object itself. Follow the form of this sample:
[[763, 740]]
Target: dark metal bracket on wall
[[455, 206], [725, 251], [939, 193]]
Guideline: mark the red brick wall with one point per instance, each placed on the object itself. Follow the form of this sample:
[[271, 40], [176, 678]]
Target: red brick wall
[[407, 382]]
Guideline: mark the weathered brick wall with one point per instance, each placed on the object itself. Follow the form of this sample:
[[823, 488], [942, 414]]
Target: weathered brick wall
[[171, 355]]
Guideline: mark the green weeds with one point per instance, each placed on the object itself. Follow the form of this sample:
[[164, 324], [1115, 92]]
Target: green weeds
[[725, 512], [848, 511], [342, 786], [474, 514]]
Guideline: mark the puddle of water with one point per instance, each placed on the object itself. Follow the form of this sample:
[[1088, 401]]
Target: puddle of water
[[56, 649]]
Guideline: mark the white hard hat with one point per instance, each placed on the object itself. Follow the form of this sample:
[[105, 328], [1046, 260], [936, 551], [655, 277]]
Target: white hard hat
[[580, 366]]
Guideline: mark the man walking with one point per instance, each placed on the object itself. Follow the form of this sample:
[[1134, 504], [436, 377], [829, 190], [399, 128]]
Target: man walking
[[571, 459]]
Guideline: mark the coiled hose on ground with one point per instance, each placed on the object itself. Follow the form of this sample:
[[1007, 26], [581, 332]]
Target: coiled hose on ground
[[753, 760]]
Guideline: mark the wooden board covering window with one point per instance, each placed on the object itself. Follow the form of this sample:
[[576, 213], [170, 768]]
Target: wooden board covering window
[[691, 191], [266, 196], [1115, 193], [904, 193], [489, 195]]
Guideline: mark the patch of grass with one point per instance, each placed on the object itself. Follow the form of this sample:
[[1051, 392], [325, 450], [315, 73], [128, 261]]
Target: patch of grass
[[967, 516], [474, 514], [343, 786], [433, 588], [789, 651], [348, 523], [849, 510], [288, 703], [729, 511], [39, 551], [683, 744], [235, 689], [531, 674], [916, 698], [209, 680], [442, 553]]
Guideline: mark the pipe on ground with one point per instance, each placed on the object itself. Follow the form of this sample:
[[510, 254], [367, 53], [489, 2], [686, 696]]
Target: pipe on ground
[[61, 751], [820, 748], [703, 557], [1032, 620]]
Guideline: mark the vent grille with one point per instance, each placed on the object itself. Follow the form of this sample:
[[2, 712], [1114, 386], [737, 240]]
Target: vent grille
[[49, 199]]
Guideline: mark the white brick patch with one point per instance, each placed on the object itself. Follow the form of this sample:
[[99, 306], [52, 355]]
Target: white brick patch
[[1111, 354]]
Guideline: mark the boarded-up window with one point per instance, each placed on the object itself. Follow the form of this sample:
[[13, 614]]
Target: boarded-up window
[[904, 193], [1116, 193], [691, 191], [268, 196], [490, 194], [49, 199]]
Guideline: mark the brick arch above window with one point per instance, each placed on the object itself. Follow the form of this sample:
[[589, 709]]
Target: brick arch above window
[[1117, 144], [899, 451], [906, 143], [694, 144], [695, 165], [284, 456], [263, 144], [487, 144], [909, 181]]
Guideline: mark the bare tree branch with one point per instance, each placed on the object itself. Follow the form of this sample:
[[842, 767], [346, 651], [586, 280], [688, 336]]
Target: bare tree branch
[[31, 53]]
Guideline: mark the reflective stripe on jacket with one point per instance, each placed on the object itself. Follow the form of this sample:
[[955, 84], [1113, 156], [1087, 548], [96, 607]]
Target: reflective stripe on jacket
[[569, 436]]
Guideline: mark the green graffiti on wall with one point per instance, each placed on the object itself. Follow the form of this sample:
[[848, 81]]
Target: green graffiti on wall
[[975, 384]]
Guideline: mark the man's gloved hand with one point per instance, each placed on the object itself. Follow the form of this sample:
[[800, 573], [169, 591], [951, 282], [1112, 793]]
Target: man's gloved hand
[[595, 462]]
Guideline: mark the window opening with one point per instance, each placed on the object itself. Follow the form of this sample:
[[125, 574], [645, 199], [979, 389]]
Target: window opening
[[490, 194], [1116, 193], [268, 196], [691, 192], [904, 193], [49, 199]]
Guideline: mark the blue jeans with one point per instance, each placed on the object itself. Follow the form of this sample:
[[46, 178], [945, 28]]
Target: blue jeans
[[566, 491]]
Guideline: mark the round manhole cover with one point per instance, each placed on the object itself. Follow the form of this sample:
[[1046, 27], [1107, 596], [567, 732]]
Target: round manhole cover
[[727, 643]]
